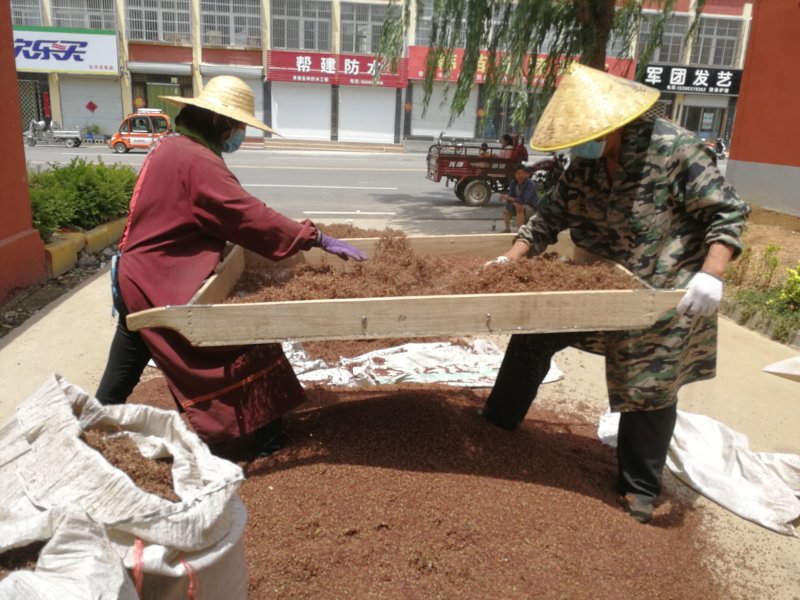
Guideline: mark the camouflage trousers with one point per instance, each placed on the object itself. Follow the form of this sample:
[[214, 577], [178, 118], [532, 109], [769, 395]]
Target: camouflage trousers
[[644, 368]]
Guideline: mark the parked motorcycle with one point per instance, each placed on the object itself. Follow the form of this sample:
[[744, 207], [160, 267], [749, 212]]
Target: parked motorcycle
[[546, 172]]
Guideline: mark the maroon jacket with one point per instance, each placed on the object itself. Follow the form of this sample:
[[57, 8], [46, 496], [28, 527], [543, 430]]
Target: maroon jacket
[[185, 206]]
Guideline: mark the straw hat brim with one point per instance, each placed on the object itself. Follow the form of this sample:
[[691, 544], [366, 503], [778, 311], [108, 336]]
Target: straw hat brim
[[222, 109], [589, 104]]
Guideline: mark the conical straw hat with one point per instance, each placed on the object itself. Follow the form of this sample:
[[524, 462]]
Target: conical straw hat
[[588, 104], [225, 95]]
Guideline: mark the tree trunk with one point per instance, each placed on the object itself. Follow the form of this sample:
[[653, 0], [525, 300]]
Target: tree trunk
[[596, 16]]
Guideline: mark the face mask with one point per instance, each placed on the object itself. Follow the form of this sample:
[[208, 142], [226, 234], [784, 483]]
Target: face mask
[[589, 150], [232, 143]]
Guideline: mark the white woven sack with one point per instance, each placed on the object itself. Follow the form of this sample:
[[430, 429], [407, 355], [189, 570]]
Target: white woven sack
[[217, 572], [44, 464], [76, 563]]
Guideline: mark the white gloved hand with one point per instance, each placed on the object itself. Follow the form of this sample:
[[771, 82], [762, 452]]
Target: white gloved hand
[[497, 261], [703, 295]]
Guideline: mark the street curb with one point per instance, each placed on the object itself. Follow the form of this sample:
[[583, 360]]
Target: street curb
[[62, 253], [105, 235]]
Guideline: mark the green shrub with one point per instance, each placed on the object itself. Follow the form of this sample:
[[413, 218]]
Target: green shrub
[[768, 306], [790, 292], [79, 195]]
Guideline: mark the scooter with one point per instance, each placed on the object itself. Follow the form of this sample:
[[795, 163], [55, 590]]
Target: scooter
[[721, 149], [716, 149]]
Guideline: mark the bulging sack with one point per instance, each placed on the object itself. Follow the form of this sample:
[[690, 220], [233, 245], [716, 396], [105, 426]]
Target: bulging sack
[[77, 561], [44, 465]]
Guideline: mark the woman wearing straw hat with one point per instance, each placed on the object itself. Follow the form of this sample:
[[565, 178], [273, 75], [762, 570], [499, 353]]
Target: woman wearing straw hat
[[186, 205], [640, 191]]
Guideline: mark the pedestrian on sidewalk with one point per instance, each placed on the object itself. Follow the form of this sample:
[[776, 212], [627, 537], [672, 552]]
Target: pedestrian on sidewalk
[[186, 206], [642, 192]]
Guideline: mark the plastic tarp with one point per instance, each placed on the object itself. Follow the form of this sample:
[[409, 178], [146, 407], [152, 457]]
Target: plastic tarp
[[469, 363], [716, 461], [788, 368], [196, 542]]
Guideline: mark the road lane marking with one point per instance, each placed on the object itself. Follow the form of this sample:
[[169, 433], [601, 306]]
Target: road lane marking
[[345, 212], [319, 168], [319, 187]]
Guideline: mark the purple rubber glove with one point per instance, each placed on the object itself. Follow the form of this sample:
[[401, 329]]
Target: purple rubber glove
[[341, 249]]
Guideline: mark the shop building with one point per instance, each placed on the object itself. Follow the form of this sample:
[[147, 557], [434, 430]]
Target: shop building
[[311, 66], [699, 77]]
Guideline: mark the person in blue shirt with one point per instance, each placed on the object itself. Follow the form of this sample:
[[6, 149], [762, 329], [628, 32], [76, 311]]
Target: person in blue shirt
[[521, 199]]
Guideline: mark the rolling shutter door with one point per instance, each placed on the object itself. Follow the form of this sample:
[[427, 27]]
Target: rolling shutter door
[[437, 116], [366, 114], [104, 93], [301, 111]]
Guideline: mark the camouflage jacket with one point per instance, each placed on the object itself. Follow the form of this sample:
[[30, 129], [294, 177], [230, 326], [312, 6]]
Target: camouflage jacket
[[666, 203]]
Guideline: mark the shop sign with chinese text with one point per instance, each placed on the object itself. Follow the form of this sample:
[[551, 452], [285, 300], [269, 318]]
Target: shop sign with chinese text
[[693, 80], [339, 69], [51, 50]]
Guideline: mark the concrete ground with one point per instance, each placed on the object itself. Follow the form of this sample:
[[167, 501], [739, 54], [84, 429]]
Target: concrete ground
[[72, 336]]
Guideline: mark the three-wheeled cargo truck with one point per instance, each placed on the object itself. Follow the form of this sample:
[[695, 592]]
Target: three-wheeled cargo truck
[[41, 132], [476, 172]]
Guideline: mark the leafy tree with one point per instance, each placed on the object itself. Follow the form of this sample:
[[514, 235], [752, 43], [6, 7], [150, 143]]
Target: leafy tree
[[514, 34]]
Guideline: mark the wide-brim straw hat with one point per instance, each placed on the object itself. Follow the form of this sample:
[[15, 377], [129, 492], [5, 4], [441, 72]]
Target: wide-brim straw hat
[[225, 95], [588, 104]]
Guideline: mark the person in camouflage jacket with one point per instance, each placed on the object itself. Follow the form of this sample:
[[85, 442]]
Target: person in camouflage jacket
[[653, 201]]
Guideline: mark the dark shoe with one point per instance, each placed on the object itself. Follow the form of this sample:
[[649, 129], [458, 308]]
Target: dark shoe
[[489, 415], [272, 445], [270, 438], [639, 507]]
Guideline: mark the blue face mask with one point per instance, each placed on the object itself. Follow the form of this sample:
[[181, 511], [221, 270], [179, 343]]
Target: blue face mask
[[233, 143], [589, 150]]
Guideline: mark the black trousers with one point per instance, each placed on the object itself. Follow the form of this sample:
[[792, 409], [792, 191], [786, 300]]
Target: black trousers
[[643, 438], [126, 361]]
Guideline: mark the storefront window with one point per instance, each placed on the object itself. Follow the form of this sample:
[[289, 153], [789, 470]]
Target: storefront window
[[159, 20], [26, 12], [424, 24], [147, 88], [231, 22], [361, 26], [672, 40], [717, 42], [84, 14], [704, 121], [301, 25]]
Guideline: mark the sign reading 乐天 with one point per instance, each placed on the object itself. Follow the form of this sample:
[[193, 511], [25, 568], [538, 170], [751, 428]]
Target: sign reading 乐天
[[51, 50]]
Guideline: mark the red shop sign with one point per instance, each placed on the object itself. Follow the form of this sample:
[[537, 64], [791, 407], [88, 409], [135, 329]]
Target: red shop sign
[[341, 69], [418, 57]]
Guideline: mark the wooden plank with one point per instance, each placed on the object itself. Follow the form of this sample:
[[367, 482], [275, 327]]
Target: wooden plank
[[219, 285], [206, 322], [418, 316]]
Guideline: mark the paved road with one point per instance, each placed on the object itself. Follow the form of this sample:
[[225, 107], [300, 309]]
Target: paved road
[[369, 189], [390, 189]]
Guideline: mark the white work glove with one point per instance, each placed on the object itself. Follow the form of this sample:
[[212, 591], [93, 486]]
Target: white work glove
[[500, 260], [702, 296]]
